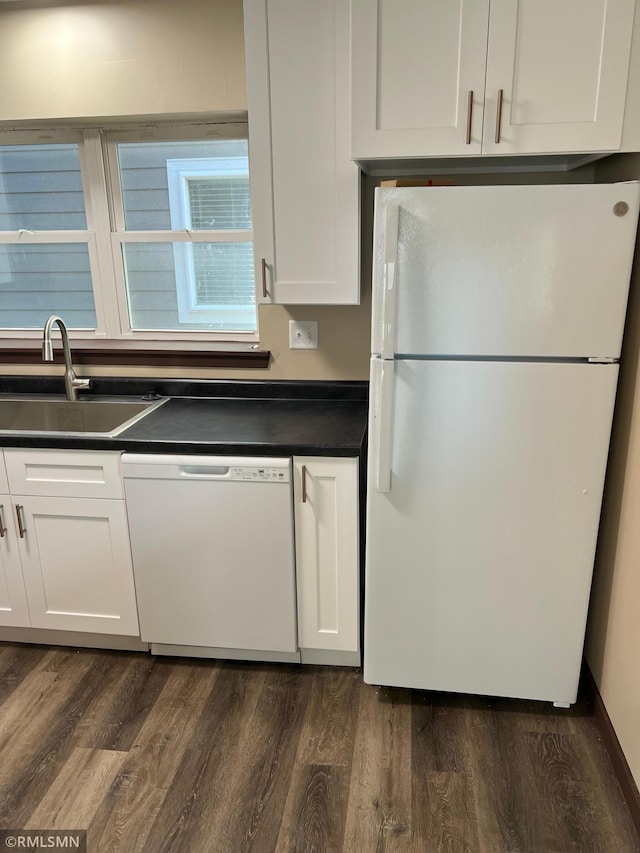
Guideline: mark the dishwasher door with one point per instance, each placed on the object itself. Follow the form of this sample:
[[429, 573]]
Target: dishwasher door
[[213, 550]]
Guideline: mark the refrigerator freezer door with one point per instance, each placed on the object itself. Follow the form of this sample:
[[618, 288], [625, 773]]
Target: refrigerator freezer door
[[479, 557], [532, 271]]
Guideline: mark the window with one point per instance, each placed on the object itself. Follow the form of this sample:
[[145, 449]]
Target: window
[[131, 235], [45, 246], [214, 280]]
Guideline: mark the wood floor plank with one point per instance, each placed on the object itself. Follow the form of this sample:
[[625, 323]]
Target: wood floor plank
[[222, 757], [60, 658], [85, 675], [314, 815], [443, 805], [76, 793], [612, 815], [239, 784], [551, 755], [132, 803], [114, 720], [319, 788], [31, 707], [16, 662], [201, 784], [573, 809], [25, 708], [443, 814], [438, 732], [330, 722], [379, 809], [508, 818], [538, 716]]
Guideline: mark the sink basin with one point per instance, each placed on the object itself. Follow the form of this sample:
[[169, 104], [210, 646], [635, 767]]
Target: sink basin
[[79, 417]]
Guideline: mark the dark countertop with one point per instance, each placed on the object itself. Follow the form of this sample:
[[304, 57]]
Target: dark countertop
[[281, 419]]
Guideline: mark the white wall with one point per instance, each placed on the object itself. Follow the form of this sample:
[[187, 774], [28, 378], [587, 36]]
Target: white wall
[[120, 58], [613, 631], [102, 58]]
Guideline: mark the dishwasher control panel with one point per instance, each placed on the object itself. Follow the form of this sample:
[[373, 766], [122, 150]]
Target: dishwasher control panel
[[247, 469], [263, 473]]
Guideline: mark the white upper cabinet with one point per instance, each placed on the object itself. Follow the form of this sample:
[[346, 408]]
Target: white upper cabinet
[[562, 68], [418, 77], [556, 76], [304, 185]]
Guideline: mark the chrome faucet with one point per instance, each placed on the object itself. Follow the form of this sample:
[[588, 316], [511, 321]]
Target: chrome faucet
[[71, 381]]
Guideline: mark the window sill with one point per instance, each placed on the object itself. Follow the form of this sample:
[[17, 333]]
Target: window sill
[[95, 356]]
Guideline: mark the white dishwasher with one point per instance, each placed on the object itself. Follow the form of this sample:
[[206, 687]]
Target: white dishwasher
[[213, 554]]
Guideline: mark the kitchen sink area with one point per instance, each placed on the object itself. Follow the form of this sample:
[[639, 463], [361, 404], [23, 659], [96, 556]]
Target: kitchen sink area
[[138, 415], [84, 484], [56, 415]]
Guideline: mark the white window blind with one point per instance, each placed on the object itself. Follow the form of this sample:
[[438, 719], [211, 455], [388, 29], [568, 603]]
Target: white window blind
[[219, 202]]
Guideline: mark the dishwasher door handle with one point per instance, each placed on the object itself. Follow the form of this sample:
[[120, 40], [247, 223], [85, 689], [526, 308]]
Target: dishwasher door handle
[[207, 472]]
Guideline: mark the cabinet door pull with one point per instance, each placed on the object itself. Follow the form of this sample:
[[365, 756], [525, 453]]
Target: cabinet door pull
[[469, 116], [499, 114], [264, 279], [21, 526], [3, 529], [304, 484]]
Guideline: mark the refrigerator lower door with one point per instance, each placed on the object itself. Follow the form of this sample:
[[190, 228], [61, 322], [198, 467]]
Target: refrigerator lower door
[[480, 554]]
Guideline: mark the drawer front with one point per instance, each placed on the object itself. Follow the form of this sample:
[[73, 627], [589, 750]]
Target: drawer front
[[4, 482], [64, 473]]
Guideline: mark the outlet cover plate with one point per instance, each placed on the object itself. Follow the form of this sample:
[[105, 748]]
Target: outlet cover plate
[[303, 334]]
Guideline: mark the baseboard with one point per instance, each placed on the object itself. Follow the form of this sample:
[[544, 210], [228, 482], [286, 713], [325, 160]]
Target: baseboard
[[224, 654], [329, 658], [80, 639], [612, 744]]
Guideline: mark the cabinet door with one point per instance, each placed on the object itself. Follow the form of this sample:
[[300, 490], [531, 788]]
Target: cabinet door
[[304, 185], [326, 522], [77, 567], [414, 63], [13, 600], [4, 480], [562, 68]]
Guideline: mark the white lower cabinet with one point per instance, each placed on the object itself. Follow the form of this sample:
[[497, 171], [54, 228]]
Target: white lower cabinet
[[14, 611], [77, 567], [327, 559], [66, 561], [65, 556]]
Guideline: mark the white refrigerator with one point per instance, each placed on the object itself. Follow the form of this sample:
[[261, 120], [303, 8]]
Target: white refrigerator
[[498, 315]]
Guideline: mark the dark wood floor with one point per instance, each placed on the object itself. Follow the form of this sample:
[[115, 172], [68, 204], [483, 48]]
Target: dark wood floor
[[158, 754]]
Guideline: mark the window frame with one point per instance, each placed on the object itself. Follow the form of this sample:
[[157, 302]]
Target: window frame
[[105, 235], [179, 173], [88, 236]]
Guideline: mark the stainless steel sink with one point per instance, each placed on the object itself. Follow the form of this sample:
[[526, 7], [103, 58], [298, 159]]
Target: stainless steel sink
[[79, 417]]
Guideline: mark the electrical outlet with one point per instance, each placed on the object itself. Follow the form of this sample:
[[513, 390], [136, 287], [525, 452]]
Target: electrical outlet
[[303, 334]]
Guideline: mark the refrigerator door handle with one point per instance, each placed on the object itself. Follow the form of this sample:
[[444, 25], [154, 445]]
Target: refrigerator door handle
[[382, 424], [390, 255]]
